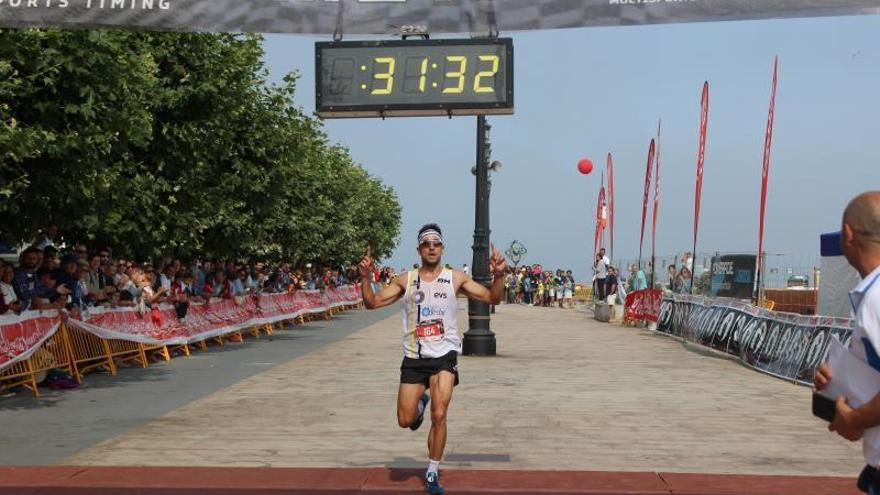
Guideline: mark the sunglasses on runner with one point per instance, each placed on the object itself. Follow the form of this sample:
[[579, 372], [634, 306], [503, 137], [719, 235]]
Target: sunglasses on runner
[[425, 244]]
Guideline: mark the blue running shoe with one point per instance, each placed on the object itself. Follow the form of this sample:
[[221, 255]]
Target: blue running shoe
[[432, 484], [424, 403]]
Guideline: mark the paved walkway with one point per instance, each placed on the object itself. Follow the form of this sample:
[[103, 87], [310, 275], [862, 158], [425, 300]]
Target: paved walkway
[[564, 393], [62, 423]]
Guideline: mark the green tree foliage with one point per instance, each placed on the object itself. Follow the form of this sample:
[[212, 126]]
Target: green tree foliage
[[174, 143]]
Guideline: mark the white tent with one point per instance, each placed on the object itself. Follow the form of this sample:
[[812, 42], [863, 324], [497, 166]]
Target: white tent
[[837, 278]]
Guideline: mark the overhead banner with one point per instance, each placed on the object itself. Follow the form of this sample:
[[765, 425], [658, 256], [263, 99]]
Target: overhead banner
[[384, 16]]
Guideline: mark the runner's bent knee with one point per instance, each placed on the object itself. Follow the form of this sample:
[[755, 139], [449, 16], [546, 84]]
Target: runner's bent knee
[[404, 419]]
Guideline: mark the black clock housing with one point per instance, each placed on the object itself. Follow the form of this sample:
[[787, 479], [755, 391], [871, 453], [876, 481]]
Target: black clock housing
[[388, 78]]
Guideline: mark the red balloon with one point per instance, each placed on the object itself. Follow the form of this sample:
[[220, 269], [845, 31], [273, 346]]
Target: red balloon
[[585, 166]]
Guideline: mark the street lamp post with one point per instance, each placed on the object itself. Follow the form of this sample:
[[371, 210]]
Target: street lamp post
[[479, 339]]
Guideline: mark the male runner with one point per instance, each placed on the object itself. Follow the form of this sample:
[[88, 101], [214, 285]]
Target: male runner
[[431, 342]]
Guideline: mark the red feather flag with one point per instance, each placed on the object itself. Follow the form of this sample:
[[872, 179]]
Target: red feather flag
[[701, 155], [647, 195], [601, 218], [611, 203], [656, 196], [768, 141]]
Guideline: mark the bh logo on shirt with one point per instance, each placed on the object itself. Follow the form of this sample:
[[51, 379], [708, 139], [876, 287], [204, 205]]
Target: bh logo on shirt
[[433, 312]]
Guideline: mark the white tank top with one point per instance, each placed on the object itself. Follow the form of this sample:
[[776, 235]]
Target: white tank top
[[430, 312]]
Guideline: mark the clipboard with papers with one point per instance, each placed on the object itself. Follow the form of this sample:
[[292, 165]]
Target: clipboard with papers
[[858, 382], [850, 376]]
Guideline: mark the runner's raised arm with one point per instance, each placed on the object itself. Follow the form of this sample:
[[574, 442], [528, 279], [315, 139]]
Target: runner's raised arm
[[388, 295]]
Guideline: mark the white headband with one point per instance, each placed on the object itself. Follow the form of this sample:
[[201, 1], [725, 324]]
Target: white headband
[[428, 233]]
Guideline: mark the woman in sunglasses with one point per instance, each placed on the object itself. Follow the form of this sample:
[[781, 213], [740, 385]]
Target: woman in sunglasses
[[431, 342]]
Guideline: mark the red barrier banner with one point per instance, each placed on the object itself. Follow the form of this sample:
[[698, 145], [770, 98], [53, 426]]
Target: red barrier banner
[[643, 305], [21, 335], [275, 307], [161, 326]]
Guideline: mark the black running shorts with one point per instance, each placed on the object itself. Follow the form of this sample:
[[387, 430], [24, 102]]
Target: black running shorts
[[414, 370]]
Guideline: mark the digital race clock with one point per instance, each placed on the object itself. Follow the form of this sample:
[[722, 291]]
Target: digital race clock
[[412, 78]]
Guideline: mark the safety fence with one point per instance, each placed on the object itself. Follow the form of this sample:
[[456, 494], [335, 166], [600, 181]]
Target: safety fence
[[36, 342], [789, 346]]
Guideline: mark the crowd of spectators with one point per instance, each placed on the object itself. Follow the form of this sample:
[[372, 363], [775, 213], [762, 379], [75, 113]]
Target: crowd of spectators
[[612, 285], [534, 286], [49, 276]]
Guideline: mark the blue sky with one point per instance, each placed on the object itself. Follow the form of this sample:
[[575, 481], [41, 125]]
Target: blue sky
[[586, 92]]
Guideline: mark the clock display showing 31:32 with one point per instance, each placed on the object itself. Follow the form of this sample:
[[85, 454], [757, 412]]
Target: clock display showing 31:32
[[424, 77]]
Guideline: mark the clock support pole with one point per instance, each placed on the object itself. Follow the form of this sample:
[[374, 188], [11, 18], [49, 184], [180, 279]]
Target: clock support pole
[[479, 339]]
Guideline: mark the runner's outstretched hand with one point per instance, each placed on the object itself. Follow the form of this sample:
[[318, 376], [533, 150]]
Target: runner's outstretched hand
[[497, 263], [366, 265]]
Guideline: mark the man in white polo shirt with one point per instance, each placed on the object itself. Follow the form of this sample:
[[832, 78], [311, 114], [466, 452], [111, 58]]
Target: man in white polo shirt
[[860, 239]]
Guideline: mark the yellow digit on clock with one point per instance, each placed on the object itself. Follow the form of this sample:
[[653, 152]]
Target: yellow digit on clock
[[423, 74], [479, 88], [387, 76], [459, 74]]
